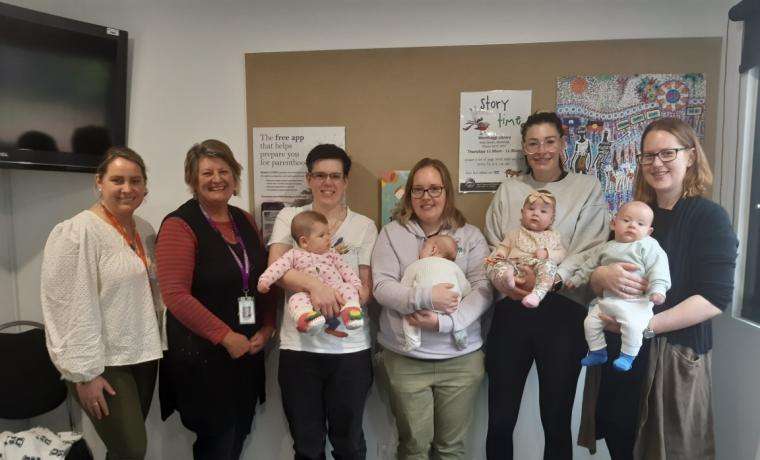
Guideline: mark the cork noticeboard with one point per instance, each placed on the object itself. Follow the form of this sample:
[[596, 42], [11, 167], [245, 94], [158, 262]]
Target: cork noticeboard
[[401, 104]]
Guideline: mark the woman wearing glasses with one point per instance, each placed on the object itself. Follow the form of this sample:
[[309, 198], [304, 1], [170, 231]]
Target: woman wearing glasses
[[662, 409], [433, 387], [551, 334], [325, 378]]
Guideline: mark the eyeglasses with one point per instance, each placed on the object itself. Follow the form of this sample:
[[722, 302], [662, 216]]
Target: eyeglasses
[[321, 176], [665, 155], [434, 191], [534, 145]]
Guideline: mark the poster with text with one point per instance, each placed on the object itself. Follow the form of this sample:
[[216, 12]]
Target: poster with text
[[603, 117], [279, 168], [489, 138]]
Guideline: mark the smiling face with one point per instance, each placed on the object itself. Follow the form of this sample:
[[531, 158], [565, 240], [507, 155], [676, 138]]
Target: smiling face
[[318, 240], [537, 216], [216, 182], [666, 178], [632, 222], [543, 145], [122, 186], [327, 183], [427, 209]]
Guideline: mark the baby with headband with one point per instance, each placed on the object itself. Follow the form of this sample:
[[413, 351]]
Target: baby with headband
[[533, 245]]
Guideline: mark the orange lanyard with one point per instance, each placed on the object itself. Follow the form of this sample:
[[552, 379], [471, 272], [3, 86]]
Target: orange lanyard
[[136, 245]]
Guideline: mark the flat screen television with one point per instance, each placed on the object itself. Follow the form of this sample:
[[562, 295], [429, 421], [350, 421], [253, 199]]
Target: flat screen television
[[63, 91]]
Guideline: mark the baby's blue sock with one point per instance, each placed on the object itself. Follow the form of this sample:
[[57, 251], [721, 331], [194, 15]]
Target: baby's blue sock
[[624, 362], [595, 358]]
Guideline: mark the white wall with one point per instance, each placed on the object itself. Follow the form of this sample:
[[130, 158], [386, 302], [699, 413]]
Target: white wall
[[187, 84]]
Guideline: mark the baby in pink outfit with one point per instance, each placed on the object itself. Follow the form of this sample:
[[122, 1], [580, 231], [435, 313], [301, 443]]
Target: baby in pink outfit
[[314, 257]]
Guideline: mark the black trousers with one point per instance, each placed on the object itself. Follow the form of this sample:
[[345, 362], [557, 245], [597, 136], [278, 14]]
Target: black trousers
[[225, 445], [617, 408], [325, 394], [552, 336]]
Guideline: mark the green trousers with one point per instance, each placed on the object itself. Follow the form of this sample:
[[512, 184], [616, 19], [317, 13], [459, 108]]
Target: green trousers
[[433, 402], [123, 430]]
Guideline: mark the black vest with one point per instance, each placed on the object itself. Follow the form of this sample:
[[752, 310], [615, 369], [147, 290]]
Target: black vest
[[192, 365]]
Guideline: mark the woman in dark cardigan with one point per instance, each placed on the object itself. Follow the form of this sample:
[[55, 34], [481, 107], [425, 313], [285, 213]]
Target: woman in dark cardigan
[[662, 408], [209, 258]]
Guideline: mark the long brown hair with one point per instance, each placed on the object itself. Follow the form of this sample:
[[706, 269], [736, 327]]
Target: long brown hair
[[451, 217], [698, 176]]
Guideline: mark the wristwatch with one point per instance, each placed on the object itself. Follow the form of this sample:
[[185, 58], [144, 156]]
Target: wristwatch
[[558, 284], [649, 333]]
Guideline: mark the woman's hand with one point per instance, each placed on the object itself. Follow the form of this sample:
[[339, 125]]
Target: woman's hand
[[424, 319], [260, 339], [236, 344], [620, 279], [326, 300], [610, 323], [444, 299], [91, 396]]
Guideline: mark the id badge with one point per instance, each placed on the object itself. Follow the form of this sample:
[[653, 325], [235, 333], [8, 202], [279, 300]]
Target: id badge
[[246, 310]]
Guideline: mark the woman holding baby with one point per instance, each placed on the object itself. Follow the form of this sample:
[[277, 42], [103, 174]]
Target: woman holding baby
[[661, 408], [530, 213], [325, 375], [433, 382]]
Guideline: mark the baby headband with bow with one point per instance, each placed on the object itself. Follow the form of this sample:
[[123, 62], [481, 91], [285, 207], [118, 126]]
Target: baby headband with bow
[[543, 195]]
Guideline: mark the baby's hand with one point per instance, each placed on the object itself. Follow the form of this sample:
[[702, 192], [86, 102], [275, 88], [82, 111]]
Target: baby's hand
[[542, 253], [657, 298], [262, 288], [493, 260]]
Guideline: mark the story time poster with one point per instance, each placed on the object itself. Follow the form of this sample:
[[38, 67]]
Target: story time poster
[[604, 116], [489, 137]]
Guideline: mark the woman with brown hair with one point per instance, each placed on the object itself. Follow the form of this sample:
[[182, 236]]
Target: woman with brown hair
[[101, 305], [209, 257], [662, 408], [551, 335], [433, 387]]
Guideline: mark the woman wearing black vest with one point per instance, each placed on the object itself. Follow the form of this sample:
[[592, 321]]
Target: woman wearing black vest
[[209, 257]]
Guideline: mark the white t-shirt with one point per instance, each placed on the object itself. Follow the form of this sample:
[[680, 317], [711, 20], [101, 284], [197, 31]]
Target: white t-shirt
[[357, 234]]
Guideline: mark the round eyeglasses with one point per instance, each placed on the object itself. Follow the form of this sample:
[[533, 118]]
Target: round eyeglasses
[[533, 146]]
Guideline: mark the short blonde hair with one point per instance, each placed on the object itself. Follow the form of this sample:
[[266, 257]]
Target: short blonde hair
[[698, 177], [210, 148], [451, 217]]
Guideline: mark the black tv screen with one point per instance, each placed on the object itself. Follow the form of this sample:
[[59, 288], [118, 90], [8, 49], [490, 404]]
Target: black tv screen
[[62, 91]]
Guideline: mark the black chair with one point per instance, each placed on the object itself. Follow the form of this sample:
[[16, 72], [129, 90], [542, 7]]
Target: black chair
[[29, 383]]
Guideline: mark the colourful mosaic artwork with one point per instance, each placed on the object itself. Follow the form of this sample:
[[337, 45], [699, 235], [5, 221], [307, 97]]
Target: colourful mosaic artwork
[[604, 116]]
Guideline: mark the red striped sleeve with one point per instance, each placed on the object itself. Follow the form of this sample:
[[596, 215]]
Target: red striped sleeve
[[175, 257]]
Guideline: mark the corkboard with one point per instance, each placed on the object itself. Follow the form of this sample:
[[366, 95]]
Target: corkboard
[[401, 104]]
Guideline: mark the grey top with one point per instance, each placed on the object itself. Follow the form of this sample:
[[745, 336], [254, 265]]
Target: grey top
[[646, 253], [398, 247], [581, 216]]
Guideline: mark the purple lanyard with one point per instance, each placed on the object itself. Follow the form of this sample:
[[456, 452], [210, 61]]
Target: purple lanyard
[[245, 266]]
